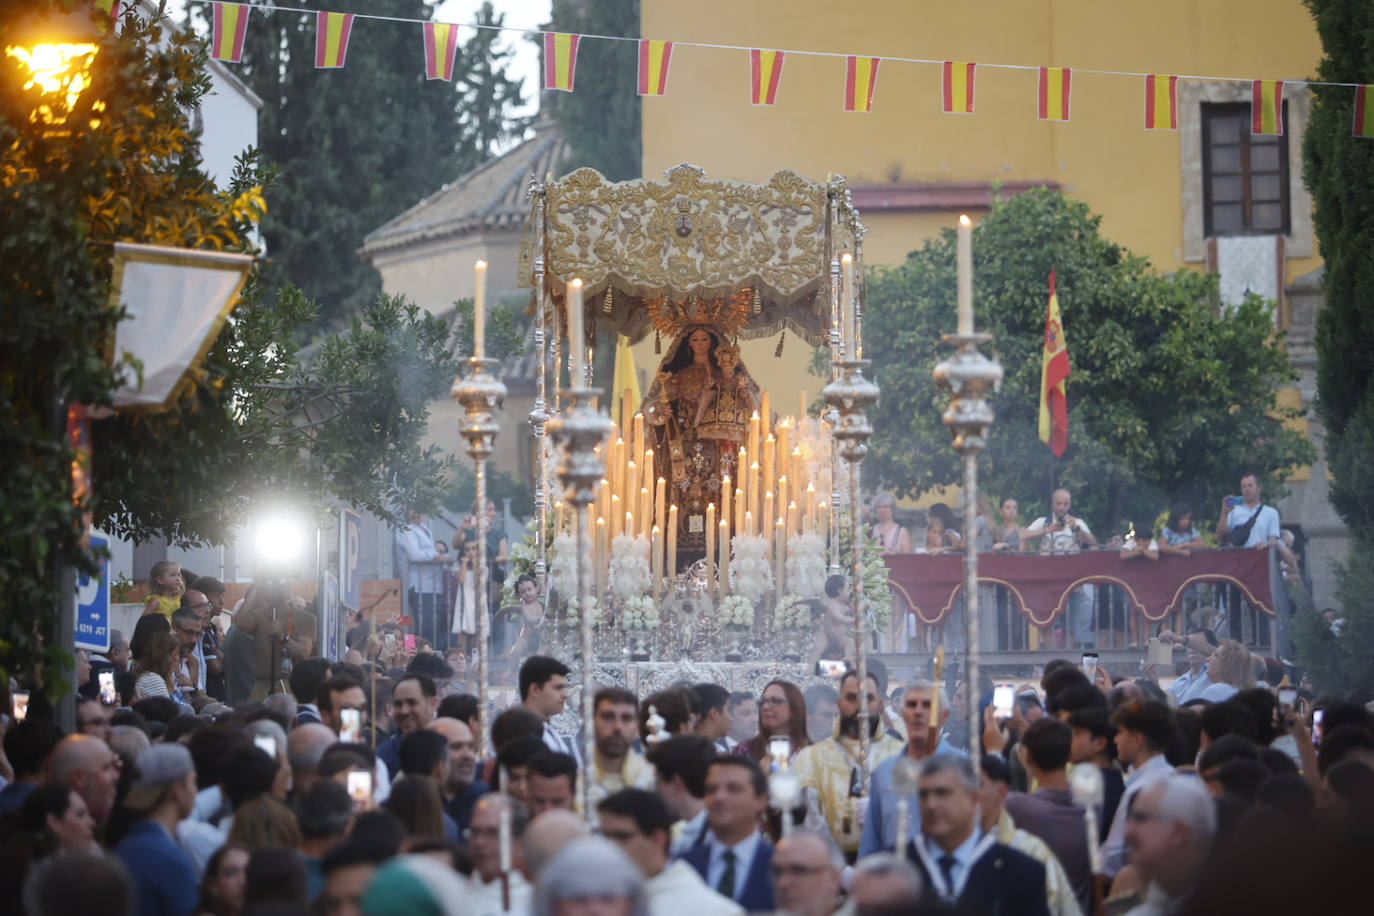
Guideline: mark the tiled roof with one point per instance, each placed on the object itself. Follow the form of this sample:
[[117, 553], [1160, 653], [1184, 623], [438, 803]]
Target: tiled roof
[[492, 196]]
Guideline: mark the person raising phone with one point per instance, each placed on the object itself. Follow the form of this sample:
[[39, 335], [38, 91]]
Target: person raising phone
[[1063, 532]]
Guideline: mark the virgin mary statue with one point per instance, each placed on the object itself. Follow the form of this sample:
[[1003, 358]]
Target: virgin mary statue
[[697, 416]]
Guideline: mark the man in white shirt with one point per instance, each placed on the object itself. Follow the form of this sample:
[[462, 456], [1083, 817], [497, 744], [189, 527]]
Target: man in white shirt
[[640, 824], [424, 580], [544, 692], [484, 842], [1063, 532], [1263, 521], [1199, 645], [1142, 732]]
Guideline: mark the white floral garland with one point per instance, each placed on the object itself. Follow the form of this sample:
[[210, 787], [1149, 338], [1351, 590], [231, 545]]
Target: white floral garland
[[629, 573], [572, 616], [736, 611], [640, 613], [792, 613], [806, 564], [564, 566], [751, 575]]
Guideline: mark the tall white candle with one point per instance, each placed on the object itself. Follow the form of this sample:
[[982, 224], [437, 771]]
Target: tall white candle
[[964, 264], [479, 312], [576, 349]]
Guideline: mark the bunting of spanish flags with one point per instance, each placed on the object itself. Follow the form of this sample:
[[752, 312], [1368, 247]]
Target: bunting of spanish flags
[[1054, 93], [957, 96], [765, 74], [230, 27], [560, 60], [860, 79], [331, 39], [441, 50], [1161, 102], [1266, 108], [654, 57], [230, 24], [1364, 113]]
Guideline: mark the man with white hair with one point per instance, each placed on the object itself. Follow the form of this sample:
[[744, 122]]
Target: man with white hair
[[806, 874], [919, 702], [884, 881], [1169, 832], [589, 875]]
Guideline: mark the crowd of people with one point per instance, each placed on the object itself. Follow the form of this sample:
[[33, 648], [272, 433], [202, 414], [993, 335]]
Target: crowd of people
[[363, 788]]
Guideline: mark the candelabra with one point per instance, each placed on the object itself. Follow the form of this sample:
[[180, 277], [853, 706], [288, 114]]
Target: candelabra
[[968, 375], [481, 394], [578, 430], [850, 395]]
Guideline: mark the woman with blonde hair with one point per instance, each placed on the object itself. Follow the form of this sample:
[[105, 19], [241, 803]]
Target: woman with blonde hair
[[1231, 671]]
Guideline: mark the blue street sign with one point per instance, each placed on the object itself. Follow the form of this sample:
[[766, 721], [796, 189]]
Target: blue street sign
[[93, 605]]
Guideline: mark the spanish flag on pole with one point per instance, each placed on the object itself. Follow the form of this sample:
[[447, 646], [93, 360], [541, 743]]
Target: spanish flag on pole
[[765, 74], [1054, 373], [230, 28], [1054, 93], [560, 60], [1266, 108], [441, 50], [331, 39], [654, 57], [1161, 102], [958, 87], [1364, 113], [860, 79], [108, 6]]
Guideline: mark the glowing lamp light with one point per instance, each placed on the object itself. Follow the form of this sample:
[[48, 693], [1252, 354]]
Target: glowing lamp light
[[279, 541], [57, 71]]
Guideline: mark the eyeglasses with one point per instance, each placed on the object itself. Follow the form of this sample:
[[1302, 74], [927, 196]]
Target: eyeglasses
[[775, 701], [197, 607], [796, 871]]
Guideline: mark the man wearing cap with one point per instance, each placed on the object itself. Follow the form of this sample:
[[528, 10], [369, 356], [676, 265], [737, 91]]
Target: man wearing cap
[[163, 792]]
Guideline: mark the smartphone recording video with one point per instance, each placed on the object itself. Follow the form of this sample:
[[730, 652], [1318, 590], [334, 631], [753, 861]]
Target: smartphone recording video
[[107, 689], [360, 786], [351, 726], [19, 705], [827, 667], [1089, 663], [1003, 695]]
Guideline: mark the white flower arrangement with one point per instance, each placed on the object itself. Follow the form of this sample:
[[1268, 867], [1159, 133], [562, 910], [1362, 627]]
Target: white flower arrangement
[[572, 615], [640, 613], [751, 575], [736, 611], [806, 564], [564, 567], [629, 573], [792, 613]]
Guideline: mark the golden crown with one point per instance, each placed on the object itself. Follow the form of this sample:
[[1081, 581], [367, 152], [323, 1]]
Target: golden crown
[[728, 314]]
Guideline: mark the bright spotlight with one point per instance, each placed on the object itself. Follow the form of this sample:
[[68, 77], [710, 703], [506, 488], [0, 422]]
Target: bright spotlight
[[280, 542]]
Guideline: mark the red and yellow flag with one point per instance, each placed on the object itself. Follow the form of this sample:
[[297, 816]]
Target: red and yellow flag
[[765, 75], [230, 28], [1161, 102], [1364, 113], [560, 60], [860, 79], [1054, 374], [1054, 93], [441, 50], [958, 94], [1266, 107], [654, 57], [108, 6], [331, 39]]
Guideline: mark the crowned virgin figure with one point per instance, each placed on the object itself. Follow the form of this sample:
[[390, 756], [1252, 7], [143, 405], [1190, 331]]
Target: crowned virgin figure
[[697, 415]]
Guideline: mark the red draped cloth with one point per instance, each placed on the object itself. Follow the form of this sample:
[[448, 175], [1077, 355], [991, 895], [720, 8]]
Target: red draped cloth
[[1041, 584]]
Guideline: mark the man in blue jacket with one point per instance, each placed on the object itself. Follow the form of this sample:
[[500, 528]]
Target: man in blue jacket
[[163, 792], [961, 864], [735, 857]]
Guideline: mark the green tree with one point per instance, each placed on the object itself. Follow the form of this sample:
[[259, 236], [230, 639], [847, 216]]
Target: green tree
[[1337, 169], [601, 119], [1170, 397], [357, 146]]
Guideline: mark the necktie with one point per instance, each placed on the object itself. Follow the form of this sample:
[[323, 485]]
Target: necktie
[[726, 887], [947, 869]]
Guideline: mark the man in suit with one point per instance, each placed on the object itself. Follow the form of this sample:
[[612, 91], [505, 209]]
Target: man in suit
[[735, 859], [958, 861]]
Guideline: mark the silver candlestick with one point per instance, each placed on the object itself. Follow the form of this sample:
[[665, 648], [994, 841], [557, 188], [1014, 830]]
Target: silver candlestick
[[968, 375], [481, 394], [578, 430], [850, 395]]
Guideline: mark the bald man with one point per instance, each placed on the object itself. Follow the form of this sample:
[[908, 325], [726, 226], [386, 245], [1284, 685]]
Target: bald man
[[462, 788], [806, 875], [305, 745], [546, 835], [88, 767]]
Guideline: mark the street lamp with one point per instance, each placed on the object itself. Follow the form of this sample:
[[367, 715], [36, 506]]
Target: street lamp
[[58, 54]]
